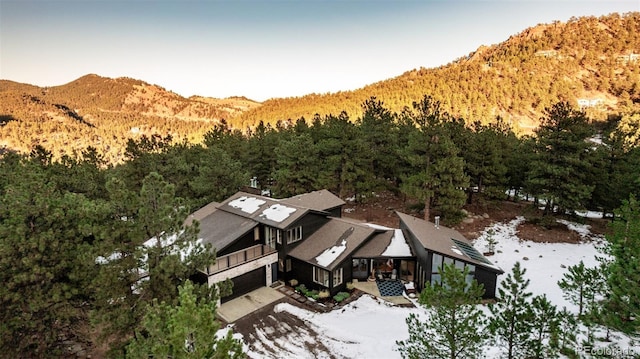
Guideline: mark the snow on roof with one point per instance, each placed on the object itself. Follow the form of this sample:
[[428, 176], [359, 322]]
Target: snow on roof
[[247, 204], [377, 226], [329, 255], [398, 246], [277, 212], [455, 249]]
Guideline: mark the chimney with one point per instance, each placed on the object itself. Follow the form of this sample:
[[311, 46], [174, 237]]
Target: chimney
[[437, 219]]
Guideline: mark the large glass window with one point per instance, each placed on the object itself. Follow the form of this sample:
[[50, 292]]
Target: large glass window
[[294, 234], [337, 277], [439, 261], [321, 276], [272, 236]]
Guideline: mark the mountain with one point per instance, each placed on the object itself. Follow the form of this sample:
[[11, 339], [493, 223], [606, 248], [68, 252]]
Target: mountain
[[593, 63], [104, 113], [590, 62]]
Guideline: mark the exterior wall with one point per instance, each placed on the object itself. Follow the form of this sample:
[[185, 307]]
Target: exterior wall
[[335, 212], [245, 241], [423, 267], [310, 223], [488, 279], [303, 273]]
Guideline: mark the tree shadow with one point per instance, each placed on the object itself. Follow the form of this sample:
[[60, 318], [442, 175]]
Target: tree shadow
[[4, 119], [74, 115]]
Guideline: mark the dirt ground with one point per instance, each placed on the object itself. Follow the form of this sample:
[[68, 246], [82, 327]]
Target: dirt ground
[[480, 215]]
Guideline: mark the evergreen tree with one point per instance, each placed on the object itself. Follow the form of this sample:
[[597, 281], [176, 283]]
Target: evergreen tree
[[454, 325], [437, 175], [184, 330], [544, 326], [151, 252], [45, 264], [512, 314], [623, 274], [559, 171], [297, 166], [580, 284]]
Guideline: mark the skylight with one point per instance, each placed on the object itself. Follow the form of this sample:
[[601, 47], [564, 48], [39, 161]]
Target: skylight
[[470, 252]]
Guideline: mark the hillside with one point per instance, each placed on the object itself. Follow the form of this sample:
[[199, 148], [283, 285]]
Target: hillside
[[104, 113], [594, 60], [594, 63]]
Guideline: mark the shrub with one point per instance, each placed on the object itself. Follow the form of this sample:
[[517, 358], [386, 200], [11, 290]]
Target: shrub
[[341, 296], [324, 294], [301, 289], [350, 286]]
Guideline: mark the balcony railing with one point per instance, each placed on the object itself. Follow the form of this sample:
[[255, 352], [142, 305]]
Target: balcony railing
[[240, 257]]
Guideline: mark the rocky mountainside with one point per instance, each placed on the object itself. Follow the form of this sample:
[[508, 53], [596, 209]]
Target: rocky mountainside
[[593, 63], [104, 113]]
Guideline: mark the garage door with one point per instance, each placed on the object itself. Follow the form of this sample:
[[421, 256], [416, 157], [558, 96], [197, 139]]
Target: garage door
[[247, 282]]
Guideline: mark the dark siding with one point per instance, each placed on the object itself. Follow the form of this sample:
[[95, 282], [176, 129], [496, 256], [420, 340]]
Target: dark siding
[[423, 258], [245, 241], [303, 273], [335, 212], [247, 282], [346, 277], [488, 279]]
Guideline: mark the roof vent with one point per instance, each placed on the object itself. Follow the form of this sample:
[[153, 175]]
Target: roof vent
[[437, 218]]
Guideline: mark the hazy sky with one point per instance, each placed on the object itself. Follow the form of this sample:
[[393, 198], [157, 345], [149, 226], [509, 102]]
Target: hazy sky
[[259, 48]]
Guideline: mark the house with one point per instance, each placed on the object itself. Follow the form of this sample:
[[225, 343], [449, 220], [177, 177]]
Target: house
[[260, 240], [436, 245]]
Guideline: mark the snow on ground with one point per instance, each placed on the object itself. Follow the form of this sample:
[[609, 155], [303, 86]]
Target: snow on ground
[[545, 263], [369, 327]]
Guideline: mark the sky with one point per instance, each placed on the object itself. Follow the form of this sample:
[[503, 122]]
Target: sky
[[260, 49]]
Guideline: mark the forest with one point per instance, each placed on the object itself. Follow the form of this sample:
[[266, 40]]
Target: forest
[[72, 229]]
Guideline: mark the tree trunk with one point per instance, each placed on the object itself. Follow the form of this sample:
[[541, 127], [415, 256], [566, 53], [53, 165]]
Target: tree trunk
[[427, 205]]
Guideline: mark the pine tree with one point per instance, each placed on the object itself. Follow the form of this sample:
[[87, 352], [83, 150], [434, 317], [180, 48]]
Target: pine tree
[[454, 326], [46, 264], [185, 330], [544, 326], [512, 314], [150, 253], [623, 271], [580, 284], [437, 175], [559, 171]]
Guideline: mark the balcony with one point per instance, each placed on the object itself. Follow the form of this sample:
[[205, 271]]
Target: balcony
[[240, 257]]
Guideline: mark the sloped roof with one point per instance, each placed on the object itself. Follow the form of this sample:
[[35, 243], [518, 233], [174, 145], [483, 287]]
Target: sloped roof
[[441, 239], [266, 210], [332, 243], [322, 200], [201, 213], [221, 228]]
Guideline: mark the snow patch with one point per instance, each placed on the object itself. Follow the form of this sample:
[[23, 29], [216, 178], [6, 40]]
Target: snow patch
[[329, 255], [247, 204], [277, 212], [398, 246], [377, 226], [455, 249]]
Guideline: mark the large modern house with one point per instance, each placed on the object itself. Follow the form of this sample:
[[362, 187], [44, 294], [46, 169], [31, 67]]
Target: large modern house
[[260, 240]]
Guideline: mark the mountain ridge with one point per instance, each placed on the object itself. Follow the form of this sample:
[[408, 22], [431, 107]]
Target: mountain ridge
[[592, 63]]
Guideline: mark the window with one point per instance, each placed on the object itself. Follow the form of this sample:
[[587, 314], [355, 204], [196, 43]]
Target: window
[[272, 235], [337, 277], [256, 234], [321, 276], [294, 234]]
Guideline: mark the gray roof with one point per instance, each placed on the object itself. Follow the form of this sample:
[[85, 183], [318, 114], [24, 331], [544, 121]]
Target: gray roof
[[238, 204], [322, 200], [221, 228], [375, 246], [440, 239], [201, 213], [332, 234]]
